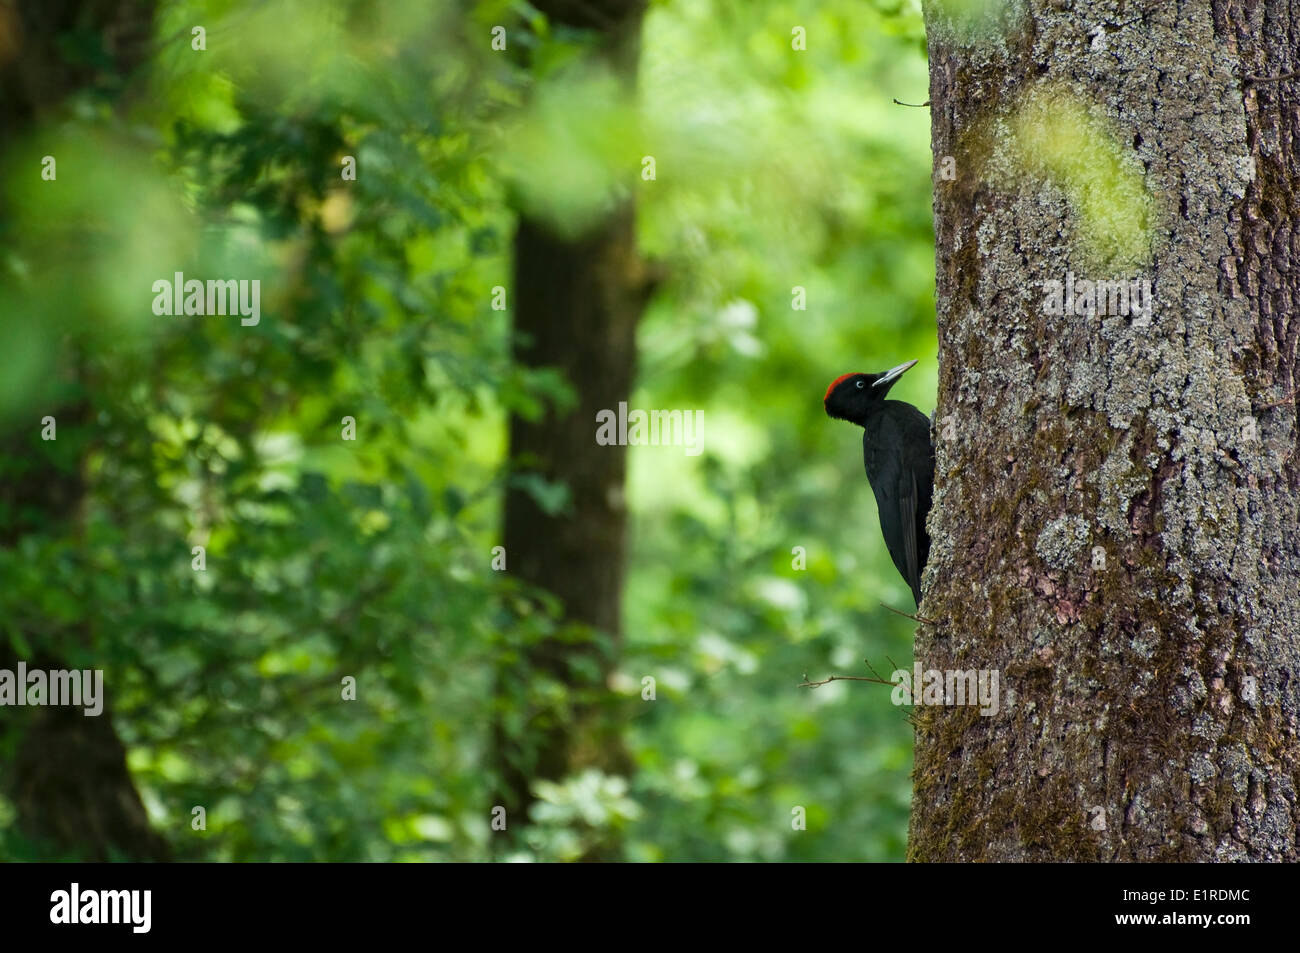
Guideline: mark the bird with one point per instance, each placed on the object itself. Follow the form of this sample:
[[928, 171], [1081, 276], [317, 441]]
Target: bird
[[899, 459]]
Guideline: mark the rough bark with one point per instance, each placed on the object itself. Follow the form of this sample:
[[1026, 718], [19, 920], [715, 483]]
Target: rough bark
[[68, 778], [577, 302], [1130, 728]]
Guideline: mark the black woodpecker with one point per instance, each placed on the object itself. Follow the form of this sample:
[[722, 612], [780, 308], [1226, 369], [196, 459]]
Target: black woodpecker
[[899, 460]]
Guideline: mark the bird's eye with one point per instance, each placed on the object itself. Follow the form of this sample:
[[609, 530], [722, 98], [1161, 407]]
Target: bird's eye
[[861, 384]]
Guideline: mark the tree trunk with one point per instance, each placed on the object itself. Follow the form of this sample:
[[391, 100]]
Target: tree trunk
[[1115, 518], [577, 305], [68, 778]]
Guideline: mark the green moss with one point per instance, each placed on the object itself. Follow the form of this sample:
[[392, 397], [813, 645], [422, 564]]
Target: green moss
[[1054, 135]]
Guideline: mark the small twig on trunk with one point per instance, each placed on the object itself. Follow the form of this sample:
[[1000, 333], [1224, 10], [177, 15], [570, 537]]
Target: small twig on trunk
[[914, 618], [913, 105], [872, 668], [854, 678], [1288, 399], [843, 678], [1272, 79]]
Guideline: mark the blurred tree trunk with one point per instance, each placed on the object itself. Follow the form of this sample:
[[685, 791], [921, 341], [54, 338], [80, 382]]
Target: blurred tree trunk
[[1115, 518], [68, 778], [577, 302]]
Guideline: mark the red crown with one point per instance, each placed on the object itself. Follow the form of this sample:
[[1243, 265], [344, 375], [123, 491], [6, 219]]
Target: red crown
[[836, 383]]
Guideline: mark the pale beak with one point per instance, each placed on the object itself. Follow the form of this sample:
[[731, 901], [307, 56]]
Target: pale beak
[[893, 374]]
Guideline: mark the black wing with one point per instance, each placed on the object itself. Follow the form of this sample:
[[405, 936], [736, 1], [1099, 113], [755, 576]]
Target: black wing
[[899, 460]]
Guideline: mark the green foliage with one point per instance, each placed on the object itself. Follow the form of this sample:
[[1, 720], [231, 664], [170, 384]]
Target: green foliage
[[371, 558]]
